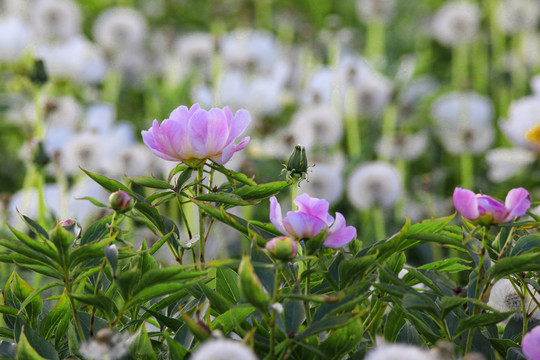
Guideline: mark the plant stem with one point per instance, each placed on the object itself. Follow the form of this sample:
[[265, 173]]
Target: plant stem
[[200, 188], [354, 145], [277, 277], [460, 66], [67, 285], [467, 170], [308, 283]]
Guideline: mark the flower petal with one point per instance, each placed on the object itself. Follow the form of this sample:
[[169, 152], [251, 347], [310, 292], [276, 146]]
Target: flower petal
[[238, 124], [276, 218], [157, 143], [339, 234], [488, 205], [303, 226], [466, 203], [229, 151], [312, 206], [518, 201]]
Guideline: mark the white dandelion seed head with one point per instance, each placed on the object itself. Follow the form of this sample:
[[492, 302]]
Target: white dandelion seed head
[[99, 117], [324, 181], [416, 91], [529, 49], [84, 150], [249, 50], [456, 23], [503, 163], [83, 210], [515, 16], [375, 10], [398, 352], [134, 160], [223, 349], [105, 346], [120, 28], [503, 297], [402, 146], [15, 38], [374, 183], [318, 90], [26, 201], [326, 124], [464, 122], [194, 49], [64, 111], [56, 19]]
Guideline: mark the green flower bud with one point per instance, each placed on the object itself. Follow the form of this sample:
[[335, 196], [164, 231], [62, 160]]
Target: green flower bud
[[282, 248], [120, 201], [297, 165], [251, 287]]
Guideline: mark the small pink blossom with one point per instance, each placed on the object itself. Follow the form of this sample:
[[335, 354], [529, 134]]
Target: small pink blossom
[[194, 135], [531, 344], [310, 219], [486, 210]]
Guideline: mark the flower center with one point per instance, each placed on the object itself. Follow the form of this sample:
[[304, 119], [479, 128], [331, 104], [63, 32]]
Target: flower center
[[533, 135]]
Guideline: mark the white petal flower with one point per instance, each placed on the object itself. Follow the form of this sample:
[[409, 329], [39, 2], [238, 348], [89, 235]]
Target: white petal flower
[[456, 22], [326, 124], [374, 183], [398, 352], [523, 124], [504, 297], [223, 349]]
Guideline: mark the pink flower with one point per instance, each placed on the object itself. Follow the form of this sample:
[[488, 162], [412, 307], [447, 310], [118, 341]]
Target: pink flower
[[531, 344], [486, 210], [194, 135], [310, 219]]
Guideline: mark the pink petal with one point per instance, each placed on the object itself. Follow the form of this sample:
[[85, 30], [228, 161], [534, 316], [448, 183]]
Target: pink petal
[[531, 344], [518, 201], [158, 144], [465, 202], [303, 226], [313, 206], [218, 131], [339, 234], [238, 124], [229, 151], [198, 130], [276, 218]]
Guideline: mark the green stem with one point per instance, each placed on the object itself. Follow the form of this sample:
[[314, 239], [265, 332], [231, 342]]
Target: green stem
[[263, 14], [308, 285], [375, 43], [67, 285], [378, 223], [352, 126], [277, 277], [467, 170], [460, 66], [200, 175], [294, 194]]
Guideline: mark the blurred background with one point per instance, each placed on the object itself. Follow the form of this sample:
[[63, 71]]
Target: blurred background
[[396, 102]]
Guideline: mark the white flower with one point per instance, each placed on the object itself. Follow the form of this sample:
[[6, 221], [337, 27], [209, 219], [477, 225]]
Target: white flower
[[324, 181], [76, 59], [193, 52], [135, 160], [517, 15], [223, 349], [456, 23], [523, 124], [374, 183], [84, 150], [64, 111], [416, 91], [106, 346], [402, 146], [398, 352], [99, 117], [56, 19], [249, 50], [503, 297], [326, 124], [319, 88], [120, 28], [464, 122], [14, 40], [375, 10], [503, 163], [280, 144]]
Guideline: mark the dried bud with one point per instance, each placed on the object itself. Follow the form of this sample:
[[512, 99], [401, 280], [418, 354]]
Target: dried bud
[[297, 165], [282, 248], [120, 201], [251, 287]]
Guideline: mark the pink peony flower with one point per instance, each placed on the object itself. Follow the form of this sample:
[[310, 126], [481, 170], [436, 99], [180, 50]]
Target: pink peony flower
[[486, 210], [531, 344], [310, 219], [194, 135]]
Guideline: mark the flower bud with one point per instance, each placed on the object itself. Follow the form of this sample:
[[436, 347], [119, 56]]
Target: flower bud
[[297, 165], [282, 248], [120, 201], [251, 287], [71, 226], [111, 253]]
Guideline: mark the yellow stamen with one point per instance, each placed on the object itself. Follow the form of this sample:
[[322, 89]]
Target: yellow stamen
[[533, 135]]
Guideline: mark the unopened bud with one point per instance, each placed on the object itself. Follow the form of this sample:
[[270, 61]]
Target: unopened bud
[[71, 226], [120, 201], [251, 287], [297, 165], [111, 253], [282, 248]]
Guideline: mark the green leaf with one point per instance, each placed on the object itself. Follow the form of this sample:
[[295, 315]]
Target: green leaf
[[218, 302], [141, 347], [93, 201], [327, 323], [262, 191], [160, 243], [221, 215], [234, 175], [40, 346], [8, 310], [227, 281], [13, 246], [354, 269], [25, 351], [480, 320], [155, 291], [232, 318], [35, 293], [503, 345], [88, 252], [97, 230], [112, 185], [150, 182], [224, 198], [171, 323], [35, 244], [514, 264], [176, 351], [452, 265], [525, 244], [53, 318], [34, 226], [99, 301], [17, 290], [153, 215], [393, 324]]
